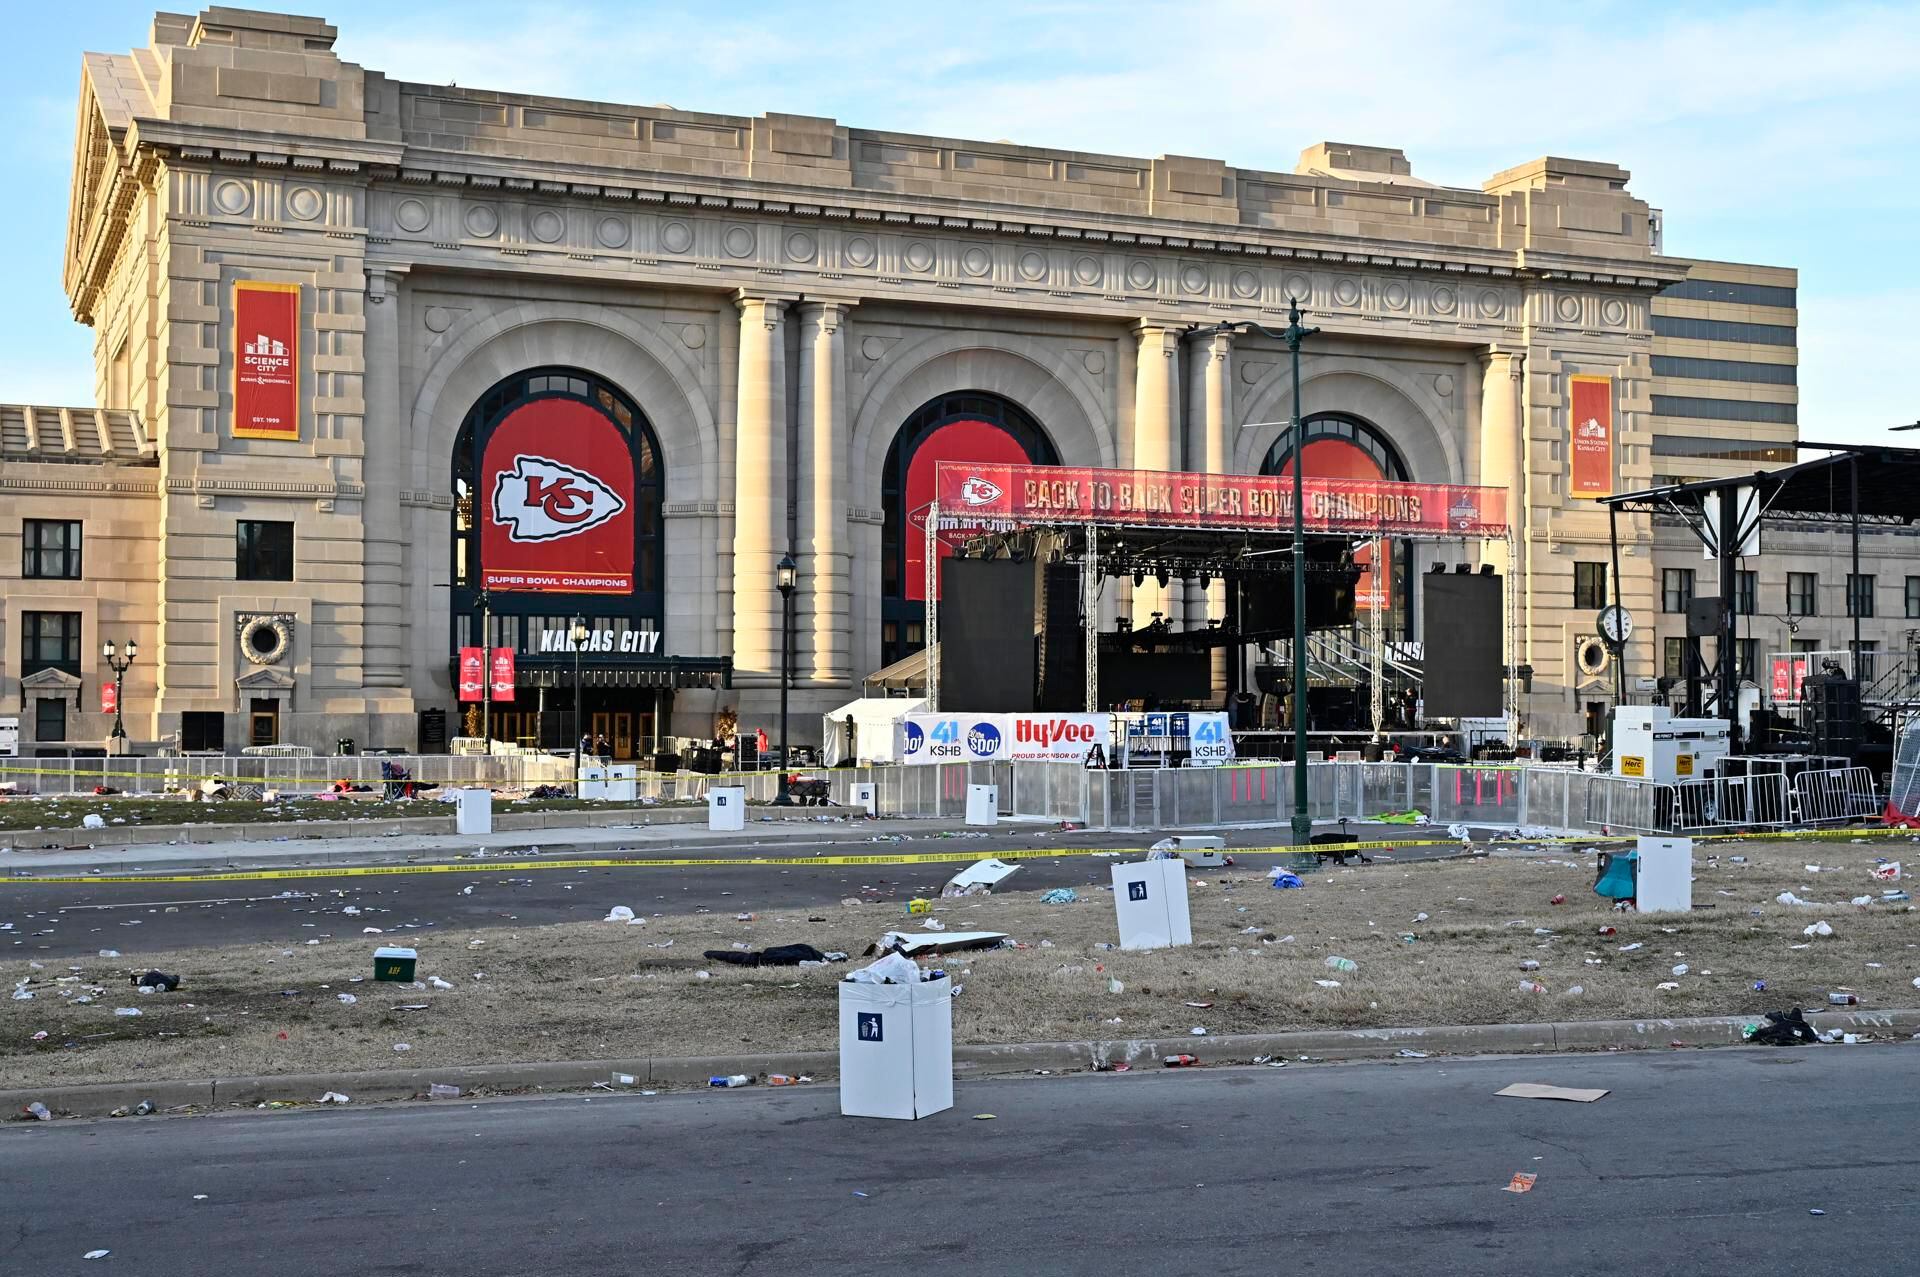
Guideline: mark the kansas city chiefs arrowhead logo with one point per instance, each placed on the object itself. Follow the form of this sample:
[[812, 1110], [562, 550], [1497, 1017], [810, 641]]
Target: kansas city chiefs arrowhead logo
[[977, 491], [543, 500]]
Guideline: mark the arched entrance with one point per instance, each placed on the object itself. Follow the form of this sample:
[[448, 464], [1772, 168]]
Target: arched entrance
[[558, 489], [1342, 446], [962, 426]]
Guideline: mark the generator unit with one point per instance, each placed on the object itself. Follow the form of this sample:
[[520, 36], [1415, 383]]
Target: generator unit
[[1649, 743]]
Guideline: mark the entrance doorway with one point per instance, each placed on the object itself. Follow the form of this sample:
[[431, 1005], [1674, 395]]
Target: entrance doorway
[[264, 722]]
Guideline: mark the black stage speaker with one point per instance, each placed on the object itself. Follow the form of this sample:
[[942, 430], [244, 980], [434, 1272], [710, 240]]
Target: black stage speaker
[[1832, 714], [1063, 640], [1460, 638], [1266, 598], [1703, 617], [986, 636], [1158, 678]]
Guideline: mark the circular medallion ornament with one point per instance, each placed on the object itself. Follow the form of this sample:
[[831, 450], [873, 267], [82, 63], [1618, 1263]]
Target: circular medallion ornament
[[860, 251], [975, 262], [547, 226], [481, 221], [231, 197], [612, 232], [800, 247], [1033, 267], [1346, 292], [1246, 284], [411, 216], [265, 640], [676, 237], [1444, 301], [303, 203], [919, 256], [739, 241], [1140, 276], [1086, 271]]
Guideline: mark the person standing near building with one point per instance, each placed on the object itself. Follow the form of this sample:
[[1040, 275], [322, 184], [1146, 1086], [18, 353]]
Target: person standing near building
[[602, 748]]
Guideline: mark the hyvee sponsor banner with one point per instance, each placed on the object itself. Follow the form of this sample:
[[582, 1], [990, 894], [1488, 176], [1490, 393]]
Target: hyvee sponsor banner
[[266, 361], [1590, 415], [991, 494], [556, 494], [990, 738]]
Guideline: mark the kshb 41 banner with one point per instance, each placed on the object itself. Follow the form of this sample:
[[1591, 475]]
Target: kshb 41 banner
[[266, 361], [1000, 738]]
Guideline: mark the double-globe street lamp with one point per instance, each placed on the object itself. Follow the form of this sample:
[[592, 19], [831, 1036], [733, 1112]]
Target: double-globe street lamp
[[118, 664], [786, 576], [1293, 334]]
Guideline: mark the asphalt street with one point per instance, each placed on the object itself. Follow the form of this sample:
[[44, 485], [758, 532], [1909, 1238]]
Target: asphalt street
[[76, 920], [1700, 1163]]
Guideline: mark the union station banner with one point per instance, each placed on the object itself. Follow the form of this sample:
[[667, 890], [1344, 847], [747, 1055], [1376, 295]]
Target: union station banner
[[993, 494]]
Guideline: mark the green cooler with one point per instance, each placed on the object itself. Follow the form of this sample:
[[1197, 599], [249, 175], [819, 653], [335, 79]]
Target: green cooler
[[390, 963]]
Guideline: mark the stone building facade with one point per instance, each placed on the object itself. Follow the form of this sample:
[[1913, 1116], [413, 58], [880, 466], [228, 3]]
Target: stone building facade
[[777, 312]]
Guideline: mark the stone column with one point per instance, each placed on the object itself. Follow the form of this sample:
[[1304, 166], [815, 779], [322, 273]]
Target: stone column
[[759, 495], [1212, 361], [383, 587], [1501, 453], [824, 620], [1156, 443]]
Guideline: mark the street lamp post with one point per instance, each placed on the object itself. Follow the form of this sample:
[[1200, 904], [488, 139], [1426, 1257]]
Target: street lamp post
[[579, 634], [1293, 334], [785, 573], [118, 664]]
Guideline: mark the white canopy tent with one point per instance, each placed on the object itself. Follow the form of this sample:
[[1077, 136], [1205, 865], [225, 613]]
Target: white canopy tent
[[875, 737]]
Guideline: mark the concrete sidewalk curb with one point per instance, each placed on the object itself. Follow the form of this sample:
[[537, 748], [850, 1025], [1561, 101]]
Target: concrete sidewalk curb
[[969, 1062]]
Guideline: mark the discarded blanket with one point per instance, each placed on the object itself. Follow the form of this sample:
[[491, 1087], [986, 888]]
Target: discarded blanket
[[780, 955], [1784, 1028]]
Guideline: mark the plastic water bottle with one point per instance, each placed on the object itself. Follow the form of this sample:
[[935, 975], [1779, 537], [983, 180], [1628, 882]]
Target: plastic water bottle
[[738, 1079], [1343, 964], [1843, 999]]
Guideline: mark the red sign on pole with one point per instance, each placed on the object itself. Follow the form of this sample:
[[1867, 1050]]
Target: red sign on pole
[[266, 361], [995, 495], [502, 673], [473, 674], [556, 501], [1788, 674], [1590, 418], [109, 698]]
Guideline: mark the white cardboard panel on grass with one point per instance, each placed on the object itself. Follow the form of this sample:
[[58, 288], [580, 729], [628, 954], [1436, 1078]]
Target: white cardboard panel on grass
[[896, 1049], [1663, 878], [1150, 903], [473, 811], [727, 808], [983, 804]]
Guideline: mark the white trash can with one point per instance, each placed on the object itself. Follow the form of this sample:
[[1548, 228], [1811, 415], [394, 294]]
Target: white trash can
[[1200, 851], [1150, 903], [727, 808], [593, 784], [1663, 877], [623, 783], [983, 804], [865, 795], [473, 811], [896, 1049]]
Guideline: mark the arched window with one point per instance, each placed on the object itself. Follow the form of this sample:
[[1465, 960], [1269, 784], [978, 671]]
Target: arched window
[[1343, 447], [622, 439], [963, 426]]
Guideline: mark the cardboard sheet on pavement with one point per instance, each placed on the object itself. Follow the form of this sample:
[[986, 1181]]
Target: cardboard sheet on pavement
[[1534, 1091]]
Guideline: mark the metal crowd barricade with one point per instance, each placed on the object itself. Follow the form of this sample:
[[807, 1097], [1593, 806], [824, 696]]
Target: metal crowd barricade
[[1833, 797]]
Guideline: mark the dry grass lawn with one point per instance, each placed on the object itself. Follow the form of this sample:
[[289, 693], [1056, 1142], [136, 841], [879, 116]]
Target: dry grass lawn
[[592, 990]]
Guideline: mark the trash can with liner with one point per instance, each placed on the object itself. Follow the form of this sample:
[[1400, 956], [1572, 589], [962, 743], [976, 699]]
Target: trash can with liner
[[896, 1048]]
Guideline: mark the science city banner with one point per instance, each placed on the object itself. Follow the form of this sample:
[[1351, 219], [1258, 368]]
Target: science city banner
[[556, 502], [998, 495], [1590, 413], [266, 361], [1000, 738]]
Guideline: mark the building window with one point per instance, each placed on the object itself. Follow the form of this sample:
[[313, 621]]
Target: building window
[[263, 551], [1801, 647], [1676, 589], [1865, 659], [50, 549], [1913, 597], [1746, 593], [203, 730], [1723, 330], [1859, 595], [1719, 290], [49, 641], [1590, 585], [1746, 657], [1665, 445], [50, 718], [1803, 589], [1674, 662], [1723, 370], [1700, 409]]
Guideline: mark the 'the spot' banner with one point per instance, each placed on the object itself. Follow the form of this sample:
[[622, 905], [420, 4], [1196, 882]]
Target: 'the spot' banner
[[1590, 426], [266, 361]]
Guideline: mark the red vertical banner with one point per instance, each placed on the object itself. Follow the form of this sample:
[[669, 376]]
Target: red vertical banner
[[266, 361], [109, 698], [1590, 430], [473, 674], [956, 441], [502, 673], [556, 501]]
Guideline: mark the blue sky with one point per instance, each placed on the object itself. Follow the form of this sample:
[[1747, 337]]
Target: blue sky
[[1783, 134]]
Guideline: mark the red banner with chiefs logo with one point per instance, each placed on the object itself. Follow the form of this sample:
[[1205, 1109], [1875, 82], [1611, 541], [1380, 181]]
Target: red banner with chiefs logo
[[556, 501], [473, 674], [992, 496], [955, 441], [266, 361], [1788, 675], [109, 698], [1590, 417], [502, 673]]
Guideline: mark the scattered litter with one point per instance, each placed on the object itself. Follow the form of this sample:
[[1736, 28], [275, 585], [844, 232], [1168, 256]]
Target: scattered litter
[[1285, 879], [1181, 1061], [443, 1091], [1788, 898], [39, 1111], [1522, 1182], [1328, 984], [92, 820], [1203, 1006], [1343, 964], [1528, 964], [1114, 986], [1667, 985], [1060, 896], [736, 1079], [348, 999], [1889, 872], [109, 953], [1814, 1211], [126, 1010], [438, 983], [402, 1046], [1198, 1031], [1575, 990], [1408, 1053], [914, 943], [983, 1117], [1535, 1091], [96, 1254], [334, 1097], [1681, 969], [621, 913], [1532, 986], [1818, 929], [158, 981], [1629, 948], [1843, 998]]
